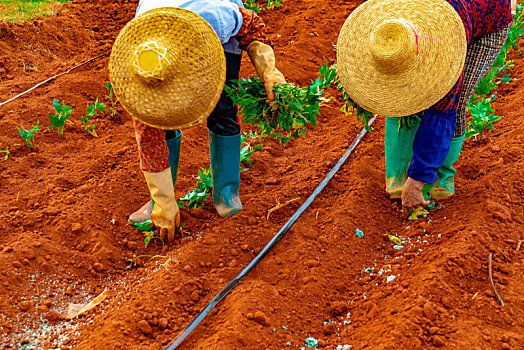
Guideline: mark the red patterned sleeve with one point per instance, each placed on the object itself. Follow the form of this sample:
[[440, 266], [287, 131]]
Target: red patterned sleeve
[[252, 29], [152, 147]]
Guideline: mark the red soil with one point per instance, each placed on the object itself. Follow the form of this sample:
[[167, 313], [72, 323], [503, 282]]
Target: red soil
[[64, 206]]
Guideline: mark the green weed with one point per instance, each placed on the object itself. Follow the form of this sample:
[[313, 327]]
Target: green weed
[[25, 10]]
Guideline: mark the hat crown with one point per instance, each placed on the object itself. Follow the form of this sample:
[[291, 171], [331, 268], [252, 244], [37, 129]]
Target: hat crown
[[149, 60], [393, 46]]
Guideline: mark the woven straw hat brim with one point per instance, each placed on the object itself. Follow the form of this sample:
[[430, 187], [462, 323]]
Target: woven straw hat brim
[[193, 80], [426, 77]]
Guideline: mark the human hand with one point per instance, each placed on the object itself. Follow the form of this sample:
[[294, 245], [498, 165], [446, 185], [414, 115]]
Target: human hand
[[272, 78], [165, 214], [167, 233], [412, 196], [263, 58]]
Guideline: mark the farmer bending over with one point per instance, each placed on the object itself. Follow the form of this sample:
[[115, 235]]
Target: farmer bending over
[[401, 57], [168, 70]]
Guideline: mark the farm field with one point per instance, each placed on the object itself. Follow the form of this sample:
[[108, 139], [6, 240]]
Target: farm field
[[64, 235]]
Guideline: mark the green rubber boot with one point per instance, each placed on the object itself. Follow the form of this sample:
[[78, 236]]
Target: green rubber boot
[[398, 146], [141, 219], [225, 168], [445, 185]]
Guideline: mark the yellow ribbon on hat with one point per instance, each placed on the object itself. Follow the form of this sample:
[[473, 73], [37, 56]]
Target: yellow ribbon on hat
[[149, 60]]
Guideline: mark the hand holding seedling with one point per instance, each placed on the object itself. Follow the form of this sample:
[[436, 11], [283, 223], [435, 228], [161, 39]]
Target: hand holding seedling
[[263, 59], [293, 107], [412, 195]]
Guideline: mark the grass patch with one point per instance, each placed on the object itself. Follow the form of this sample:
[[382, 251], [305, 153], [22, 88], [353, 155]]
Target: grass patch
[[24, 10]]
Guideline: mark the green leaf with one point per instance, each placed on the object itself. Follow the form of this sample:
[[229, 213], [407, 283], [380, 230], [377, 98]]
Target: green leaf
[[506, 78]]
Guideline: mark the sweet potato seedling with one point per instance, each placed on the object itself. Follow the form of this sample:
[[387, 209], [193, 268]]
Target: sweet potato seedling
[[151, 235], [6, 151], [28, 135], [293, 108], [112, 99], [62, 113], [273, 4], [91, 112], [246, 151], [197, 197], [252, 5], [482, 117], [136, 260]]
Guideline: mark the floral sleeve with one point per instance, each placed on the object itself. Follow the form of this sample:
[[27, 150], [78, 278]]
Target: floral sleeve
[[252, 29]]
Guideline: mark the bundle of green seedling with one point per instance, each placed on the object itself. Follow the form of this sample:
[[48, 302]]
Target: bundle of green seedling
[[28, 135], [91, 112], [349, 106], [291, 111], [363, 116], [62, 113]]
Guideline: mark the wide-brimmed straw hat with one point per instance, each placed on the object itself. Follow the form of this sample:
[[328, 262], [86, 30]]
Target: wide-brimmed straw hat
[[399, 57], [168, 68]]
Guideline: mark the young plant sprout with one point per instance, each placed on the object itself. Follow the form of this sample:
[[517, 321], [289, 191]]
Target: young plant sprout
[[247, 151], [151, 235], [91, 112], [62, 113], [112, 99], [273, 4], [28, 135], [6, 151], [482, 117], [197, 197], [136, 260], [252, 5]]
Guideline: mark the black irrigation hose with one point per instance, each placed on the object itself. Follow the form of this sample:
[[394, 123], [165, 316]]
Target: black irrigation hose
[[53, 77], [221, 295]]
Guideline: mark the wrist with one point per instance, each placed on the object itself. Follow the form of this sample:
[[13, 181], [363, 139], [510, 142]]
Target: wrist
[[418, 185]]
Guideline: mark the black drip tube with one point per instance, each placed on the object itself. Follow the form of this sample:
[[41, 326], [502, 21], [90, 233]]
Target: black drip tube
[[53, 77], [221, 295]]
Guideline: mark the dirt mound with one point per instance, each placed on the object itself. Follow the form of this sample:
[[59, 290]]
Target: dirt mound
[[65, 237]]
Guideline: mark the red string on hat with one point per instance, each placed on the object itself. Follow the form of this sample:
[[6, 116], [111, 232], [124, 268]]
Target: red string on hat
[[417, 33]]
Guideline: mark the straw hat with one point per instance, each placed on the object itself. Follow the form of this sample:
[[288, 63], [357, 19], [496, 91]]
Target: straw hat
[[399, 57], [167, 68]]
